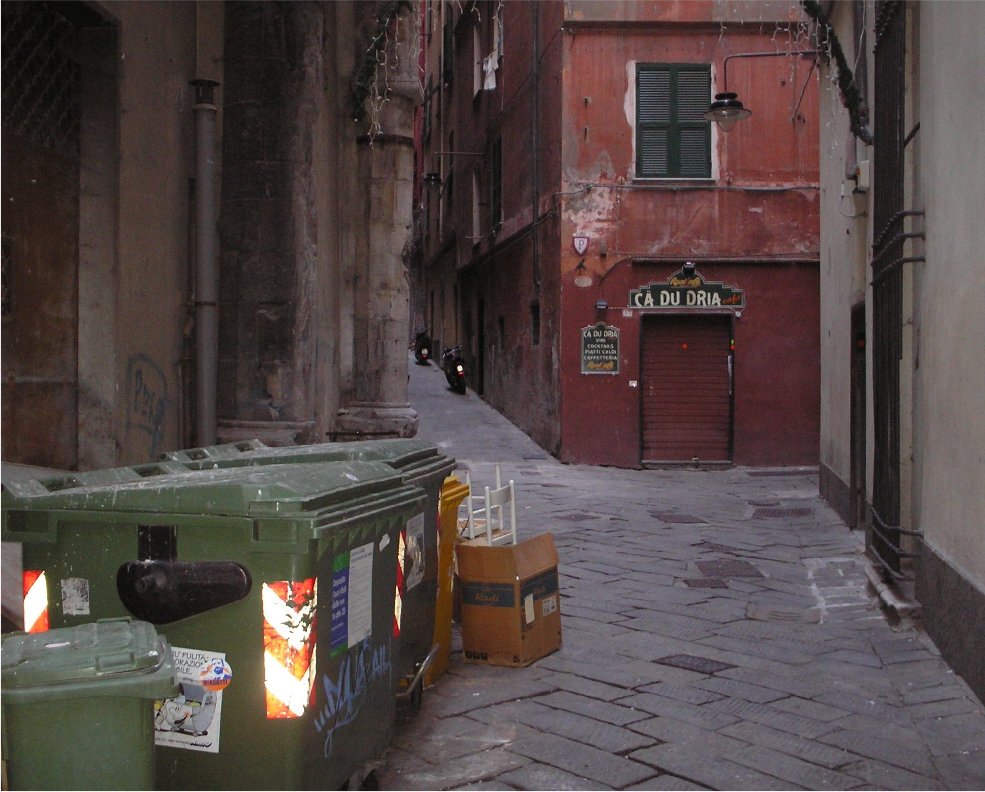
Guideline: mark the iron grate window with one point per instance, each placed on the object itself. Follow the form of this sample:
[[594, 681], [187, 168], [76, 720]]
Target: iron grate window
[[672, 138], [40, 81]]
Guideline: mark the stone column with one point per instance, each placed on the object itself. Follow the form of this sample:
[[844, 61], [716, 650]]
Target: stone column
[[381, 292]]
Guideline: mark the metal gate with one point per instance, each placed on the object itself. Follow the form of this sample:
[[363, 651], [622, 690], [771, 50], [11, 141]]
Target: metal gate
[[888, 258], [41, 149], [686, 410]]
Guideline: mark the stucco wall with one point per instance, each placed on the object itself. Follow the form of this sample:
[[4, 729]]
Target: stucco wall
[[949, 383], [844, 236], [157, 59]]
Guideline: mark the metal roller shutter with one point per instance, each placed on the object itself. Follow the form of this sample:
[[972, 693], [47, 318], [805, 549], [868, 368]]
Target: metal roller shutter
[[686, 394]]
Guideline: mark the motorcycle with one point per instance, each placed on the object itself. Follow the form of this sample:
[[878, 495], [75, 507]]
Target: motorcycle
[[422, 348], [454, 368]]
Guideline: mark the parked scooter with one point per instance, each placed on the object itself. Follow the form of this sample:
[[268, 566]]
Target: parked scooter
[[454, 368], [422, 348]]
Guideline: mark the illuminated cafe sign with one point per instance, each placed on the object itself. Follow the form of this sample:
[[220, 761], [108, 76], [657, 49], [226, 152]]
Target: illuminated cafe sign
[[686, 288]]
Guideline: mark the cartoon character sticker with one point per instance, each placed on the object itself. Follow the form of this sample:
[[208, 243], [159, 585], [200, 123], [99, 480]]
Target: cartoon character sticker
[[191, 720]]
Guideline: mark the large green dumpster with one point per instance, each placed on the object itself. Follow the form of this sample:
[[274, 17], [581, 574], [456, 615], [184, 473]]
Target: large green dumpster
[[78, 705], [275, 587], [418, 463]]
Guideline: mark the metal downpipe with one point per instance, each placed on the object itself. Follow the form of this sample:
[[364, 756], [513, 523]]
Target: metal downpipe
[[206, 270]]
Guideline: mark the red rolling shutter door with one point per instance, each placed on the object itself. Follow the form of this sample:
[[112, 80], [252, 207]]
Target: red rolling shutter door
[[686, 409]]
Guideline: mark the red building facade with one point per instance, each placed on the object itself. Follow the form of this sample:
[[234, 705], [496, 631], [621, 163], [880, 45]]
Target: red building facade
[[637, 287]]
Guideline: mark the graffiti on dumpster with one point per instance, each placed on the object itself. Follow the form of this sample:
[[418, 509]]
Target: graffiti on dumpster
[[345, 694]]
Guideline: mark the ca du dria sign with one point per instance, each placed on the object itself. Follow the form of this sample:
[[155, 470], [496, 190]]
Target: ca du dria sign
[[686, 288], [600, 349]]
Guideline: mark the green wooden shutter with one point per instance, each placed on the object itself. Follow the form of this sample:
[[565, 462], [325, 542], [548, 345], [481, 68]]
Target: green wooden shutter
[[693, 99], [672, 139]]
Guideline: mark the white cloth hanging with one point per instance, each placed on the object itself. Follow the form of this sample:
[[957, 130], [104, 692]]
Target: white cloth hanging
[[489, 65]]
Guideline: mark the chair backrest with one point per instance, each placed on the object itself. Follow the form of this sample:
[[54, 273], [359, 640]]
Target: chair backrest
[[500, 512]]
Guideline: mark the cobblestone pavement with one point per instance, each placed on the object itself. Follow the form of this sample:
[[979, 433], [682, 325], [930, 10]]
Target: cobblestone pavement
[[717, 633]]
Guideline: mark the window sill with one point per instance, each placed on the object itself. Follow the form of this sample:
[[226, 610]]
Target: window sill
[[670, 181]]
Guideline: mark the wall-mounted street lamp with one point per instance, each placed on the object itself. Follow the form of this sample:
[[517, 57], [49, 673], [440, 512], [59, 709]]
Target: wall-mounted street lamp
[[601, 305], [726, 110]]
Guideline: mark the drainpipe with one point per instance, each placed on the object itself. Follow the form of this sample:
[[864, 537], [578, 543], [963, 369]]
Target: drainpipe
[[207, 274], [535, 134]]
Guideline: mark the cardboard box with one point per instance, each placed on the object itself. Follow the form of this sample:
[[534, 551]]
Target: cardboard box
[[511, 606]]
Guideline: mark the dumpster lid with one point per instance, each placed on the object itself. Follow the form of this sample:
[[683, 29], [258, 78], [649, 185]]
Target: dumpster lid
[[273, 489], [75, 654], [399, 453]]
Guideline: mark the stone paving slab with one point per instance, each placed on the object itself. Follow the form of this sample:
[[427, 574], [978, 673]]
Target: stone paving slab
[[689, 762], [797, 680], [540, 776], [584, 761]]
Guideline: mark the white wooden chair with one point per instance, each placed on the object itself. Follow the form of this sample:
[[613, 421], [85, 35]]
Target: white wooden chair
[[471, 503], [498, 515], [477, 519]]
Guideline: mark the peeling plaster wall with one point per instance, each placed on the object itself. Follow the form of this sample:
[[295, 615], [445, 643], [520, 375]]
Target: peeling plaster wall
[[753, 224]]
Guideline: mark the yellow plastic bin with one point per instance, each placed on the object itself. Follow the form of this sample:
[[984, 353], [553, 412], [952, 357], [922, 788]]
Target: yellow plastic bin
[[453, 492]]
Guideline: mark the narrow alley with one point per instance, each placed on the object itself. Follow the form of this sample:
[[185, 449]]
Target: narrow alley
[[718, 631]]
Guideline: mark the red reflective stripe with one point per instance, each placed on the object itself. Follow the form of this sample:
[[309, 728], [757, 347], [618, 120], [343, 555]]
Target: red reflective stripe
[[289, 638], [398, 594], [35, 601]]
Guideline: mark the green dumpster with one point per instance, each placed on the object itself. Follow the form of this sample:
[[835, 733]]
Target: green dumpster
[[275, 588], [418, 463], [78, 705]]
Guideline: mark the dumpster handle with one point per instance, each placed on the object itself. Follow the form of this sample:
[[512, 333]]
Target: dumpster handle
[[425, 663]]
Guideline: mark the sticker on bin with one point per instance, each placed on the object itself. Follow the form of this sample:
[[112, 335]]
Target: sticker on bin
[[75, 597], [289, 638], [413, 560], [352, 598], [191, 720]]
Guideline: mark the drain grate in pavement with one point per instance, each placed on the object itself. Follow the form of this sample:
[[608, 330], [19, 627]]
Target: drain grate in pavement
[[706, 582], [702, 665], [796, 511], [575, 517], [727, 568], [674, 517]]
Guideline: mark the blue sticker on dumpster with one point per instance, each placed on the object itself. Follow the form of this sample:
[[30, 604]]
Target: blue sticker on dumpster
[[352, 598], [340, 602]]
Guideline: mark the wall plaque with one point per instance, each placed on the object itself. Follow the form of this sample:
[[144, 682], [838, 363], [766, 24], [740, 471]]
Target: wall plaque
[[600, 349]]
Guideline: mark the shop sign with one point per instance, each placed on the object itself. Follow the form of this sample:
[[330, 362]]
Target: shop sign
[[686, 288], [600, 349]]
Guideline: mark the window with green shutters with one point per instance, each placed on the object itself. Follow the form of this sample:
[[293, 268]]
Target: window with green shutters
[[672, 139]]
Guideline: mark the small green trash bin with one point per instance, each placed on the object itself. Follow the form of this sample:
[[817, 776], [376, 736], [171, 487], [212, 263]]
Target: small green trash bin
[[419, 463], [78, 705], [275, 587]]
